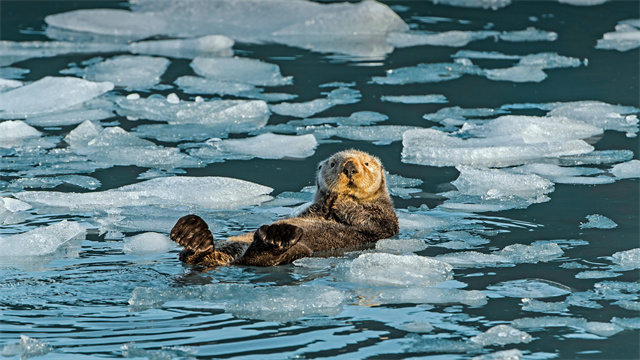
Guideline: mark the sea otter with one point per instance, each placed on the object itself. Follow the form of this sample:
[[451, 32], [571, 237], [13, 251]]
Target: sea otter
[[351, 207]]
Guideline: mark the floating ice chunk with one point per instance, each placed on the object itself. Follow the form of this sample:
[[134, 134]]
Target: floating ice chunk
[[415, 99], [485, 4], [529, 34], [627, 170], [71, 117], [544, 306], [232, 115], [532, 253], [26, 348], [82, 134], [427, 73], [565, 175], [453, 38], [596, 275], [112, 22], [175, 191], [597, 157], [417, 223], [501, 335], [397, 270], [13, 205], [549, 60], [41, 241], [12, 73], [200, 85], [513, 354], [339, 96], [265, 146], [6, 84], [149, 242], [598, 222], [629, 305], [400, 246], [242, 70], [517, 74], [549, 321], [358, 118], [461, 240], [625, 37], [627, 323], [53, 94], [529, 288], [129, 350], [602, 328], [127, 71], [415, 326], [583, 2], [629, 258], [504, 141], [457, 116], [211, 45], [431, 295], [600, 114], [13, 133], [15, 51], [473, 54], [379, 135], [474, 259], [183, 132]]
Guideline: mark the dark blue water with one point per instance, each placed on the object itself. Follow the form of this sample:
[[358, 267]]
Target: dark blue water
[[453, 284]]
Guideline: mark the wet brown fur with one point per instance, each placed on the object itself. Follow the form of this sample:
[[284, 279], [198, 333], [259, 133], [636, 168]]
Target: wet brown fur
[[351, 207]]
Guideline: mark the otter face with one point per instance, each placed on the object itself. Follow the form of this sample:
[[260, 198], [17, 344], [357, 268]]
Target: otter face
[[353, 173]]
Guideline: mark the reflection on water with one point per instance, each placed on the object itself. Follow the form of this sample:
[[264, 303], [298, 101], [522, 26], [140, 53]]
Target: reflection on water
[[508, 130]]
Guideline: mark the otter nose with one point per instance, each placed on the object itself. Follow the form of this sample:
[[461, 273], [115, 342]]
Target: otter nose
[[349, 168]]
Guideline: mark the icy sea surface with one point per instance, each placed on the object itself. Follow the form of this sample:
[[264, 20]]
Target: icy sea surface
[[509, 130]]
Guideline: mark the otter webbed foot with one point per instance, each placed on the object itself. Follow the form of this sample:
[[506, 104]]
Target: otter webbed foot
[[276, 238], [193, 233]]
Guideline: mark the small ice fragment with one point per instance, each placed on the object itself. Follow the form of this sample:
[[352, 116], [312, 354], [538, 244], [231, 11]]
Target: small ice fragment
[[517, 74], [431, 295], [53, 93], [242, 70], [14, 205], [149, 242], [626, 170], [427, 73], [513, 354], [625, 37], [401, 246], [26, 348], [13, 132], [473, 259], [265, 146], [41, 241], [485, 4], [529, 288], [70, 117], [210, 45], [529, 34], [173, 98], [544, 306], [133, 96], [6, 84], [532, 253], [628, 258], [377, 134], [454, 38], [627, 323], [501, 335], [592, 274], [415, 99], [548, 321], [127, 71], [415, 326], [583, 2], [602, 328], [597, 221], [339, 96], [398, 270]]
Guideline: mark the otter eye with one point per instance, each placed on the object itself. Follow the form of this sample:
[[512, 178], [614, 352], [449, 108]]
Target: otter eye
[[319, 167], [366, 164], [333, 164]]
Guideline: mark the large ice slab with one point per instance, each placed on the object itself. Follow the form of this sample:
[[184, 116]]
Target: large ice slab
[[52, 94], [193, 192], [231, 115], [625, 37], [41, 241], [127, 71], [397, 270], [264, 146]]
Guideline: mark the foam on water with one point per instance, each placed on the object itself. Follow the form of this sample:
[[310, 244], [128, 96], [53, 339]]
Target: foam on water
[[53, 94], [41, 241]]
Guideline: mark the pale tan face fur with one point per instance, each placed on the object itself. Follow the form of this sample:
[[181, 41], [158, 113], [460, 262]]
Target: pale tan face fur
[[353, 173]]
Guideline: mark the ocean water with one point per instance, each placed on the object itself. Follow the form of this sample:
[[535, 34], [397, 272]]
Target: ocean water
[[508, 130]]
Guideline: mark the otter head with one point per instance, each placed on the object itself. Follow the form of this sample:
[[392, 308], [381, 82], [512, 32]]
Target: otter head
[[352, 173]]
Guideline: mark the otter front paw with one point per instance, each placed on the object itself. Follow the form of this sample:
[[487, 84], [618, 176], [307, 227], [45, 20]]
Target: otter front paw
[[192, 233], [276, 237]]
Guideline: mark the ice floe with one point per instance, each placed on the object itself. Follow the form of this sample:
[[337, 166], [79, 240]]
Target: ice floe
[[415, 99], [176, 191], [27, 347], [265, 146], [513, 354], [457, 38], [53, 94], [501, 335], [189, 48], [13, 133], [594, 327], [378, 134], [126, 71], [598, 221], [339, 96], [41, 241], [240, 70], [397, 270], [529, 288], [149, 242], [485, 4], [625, 37], [510, 255], [628, 258], [627, 170]]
